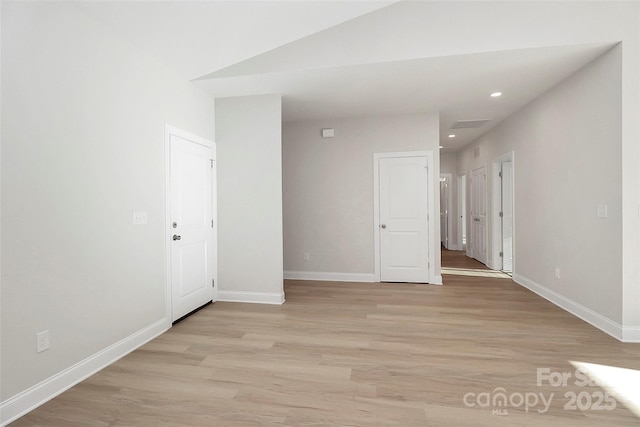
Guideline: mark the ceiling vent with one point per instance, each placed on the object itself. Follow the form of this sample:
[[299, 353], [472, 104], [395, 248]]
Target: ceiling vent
[[469, 124]]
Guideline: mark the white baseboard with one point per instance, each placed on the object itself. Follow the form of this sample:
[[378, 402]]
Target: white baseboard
[[330, 277], [251, 297], [437, 280], [631, 334], [595, 319], [24, 402]]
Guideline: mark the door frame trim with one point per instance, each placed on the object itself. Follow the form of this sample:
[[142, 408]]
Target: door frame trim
[[168, 131], [434, 264]]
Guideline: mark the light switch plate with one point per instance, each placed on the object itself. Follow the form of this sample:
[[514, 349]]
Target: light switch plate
[[139, 218]]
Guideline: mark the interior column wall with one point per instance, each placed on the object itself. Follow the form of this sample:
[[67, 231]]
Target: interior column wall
[[249, 150]]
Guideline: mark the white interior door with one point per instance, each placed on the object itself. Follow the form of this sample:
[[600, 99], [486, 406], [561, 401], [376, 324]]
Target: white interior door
[[479, 214], [507, 216], [192, 220], [403, 219]]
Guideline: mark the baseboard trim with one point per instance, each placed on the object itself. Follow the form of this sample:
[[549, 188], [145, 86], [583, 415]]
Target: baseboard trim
[[330, 277], [631, 334], [251, 297], [595, 319], [26, 401]]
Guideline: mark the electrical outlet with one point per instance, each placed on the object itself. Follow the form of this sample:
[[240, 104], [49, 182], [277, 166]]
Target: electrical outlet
[[601, 211], [557, 272], [139, 218], [305, 256], [42, 341]]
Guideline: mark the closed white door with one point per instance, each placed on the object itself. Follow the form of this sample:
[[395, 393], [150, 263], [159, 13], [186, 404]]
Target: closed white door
[[507, 216], [479, 214], [403, 219], [192, 221]]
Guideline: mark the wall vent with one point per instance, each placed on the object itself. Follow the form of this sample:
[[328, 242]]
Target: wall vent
[[469, 124]]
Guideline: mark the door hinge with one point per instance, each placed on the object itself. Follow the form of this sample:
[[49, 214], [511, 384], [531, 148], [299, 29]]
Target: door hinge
[[500, 174], [213, 283], [211, 223], [501, 255], [211, 160], [501, 214]]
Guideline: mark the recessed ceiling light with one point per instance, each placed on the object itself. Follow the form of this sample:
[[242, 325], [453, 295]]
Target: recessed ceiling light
[[452, 136], [496, 94], [441, 146]]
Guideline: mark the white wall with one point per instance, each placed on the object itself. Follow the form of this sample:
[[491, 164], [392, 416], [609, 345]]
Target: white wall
[[249, 150], [83, 117], [484, 26], [328, 189], [568, 157]]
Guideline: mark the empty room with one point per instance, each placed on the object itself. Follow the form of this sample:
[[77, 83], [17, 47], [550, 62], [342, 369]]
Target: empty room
[[340, 213]]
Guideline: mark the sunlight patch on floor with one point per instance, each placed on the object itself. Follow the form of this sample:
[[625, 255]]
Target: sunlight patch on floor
[[621, 383], [475, 273]]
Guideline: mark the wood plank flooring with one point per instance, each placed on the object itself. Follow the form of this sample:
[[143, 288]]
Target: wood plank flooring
[[352, 354]]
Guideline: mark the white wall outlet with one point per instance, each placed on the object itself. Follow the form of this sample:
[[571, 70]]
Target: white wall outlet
[[42, 341], [139, 218], [602, 211], [306, 256], [557, 273]]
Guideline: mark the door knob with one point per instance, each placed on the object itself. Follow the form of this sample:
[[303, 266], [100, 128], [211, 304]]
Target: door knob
[[176, 237], [383, 225]]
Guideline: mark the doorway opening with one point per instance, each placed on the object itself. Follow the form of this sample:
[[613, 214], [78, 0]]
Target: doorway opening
[[462, 212], [446, 223], [503, 220], [478, 213]]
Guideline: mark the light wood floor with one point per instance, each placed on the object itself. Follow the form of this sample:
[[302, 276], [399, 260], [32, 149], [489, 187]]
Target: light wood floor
[[345, 354]]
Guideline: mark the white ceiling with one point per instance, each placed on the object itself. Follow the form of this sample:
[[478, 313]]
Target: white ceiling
[[325, 62], [198, 37]]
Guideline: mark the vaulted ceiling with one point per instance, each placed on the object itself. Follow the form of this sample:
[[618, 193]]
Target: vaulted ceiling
[[335, 59]]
